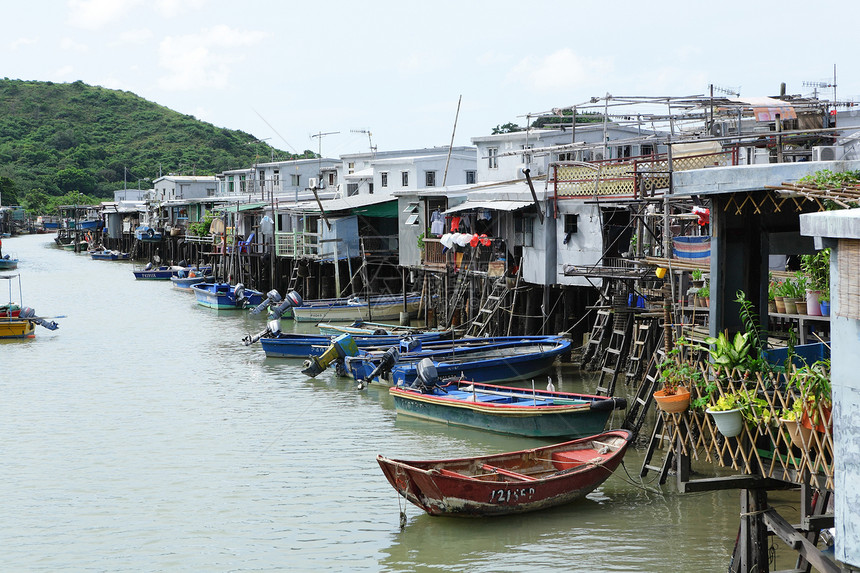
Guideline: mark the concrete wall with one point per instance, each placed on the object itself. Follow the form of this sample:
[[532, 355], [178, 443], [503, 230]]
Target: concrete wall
[[828, 227], [750, 177], [585, 247]]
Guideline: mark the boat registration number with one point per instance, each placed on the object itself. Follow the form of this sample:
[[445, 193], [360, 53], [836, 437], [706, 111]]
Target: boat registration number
[[507, 495]]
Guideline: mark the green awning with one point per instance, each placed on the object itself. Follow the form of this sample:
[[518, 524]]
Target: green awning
[[387, 210], [240, 207]]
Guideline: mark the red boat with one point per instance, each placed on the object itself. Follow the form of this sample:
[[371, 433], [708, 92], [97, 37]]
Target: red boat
[[513, 482]]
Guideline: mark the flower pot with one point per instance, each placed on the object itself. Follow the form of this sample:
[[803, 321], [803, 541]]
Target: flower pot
[[771, 306], [813, 307], [821, 423], [780, 304], [824, 306], [801, 306], [673, 403], [799, 434], [729, 422], [790, 305]]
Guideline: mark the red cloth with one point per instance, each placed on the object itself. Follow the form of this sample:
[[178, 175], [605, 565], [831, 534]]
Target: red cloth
[[455, 224]]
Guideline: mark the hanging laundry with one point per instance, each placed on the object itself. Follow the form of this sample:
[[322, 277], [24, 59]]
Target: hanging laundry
[[455, 224], [437, 223]]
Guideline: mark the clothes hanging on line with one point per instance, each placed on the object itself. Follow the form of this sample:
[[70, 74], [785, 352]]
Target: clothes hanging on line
[[437, 223]]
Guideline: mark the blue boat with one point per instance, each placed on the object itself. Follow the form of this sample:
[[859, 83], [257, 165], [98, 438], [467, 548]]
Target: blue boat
[[485, 360], [377, 307], [147, 234], [504, 409], [223, 296], [106, 255], [184, 283], [8, 263], [164, 273], [289, 345]]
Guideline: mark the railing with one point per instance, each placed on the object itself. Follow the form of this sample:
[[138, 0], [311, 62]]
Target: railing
[[433, 255], [630, 178], [381, 245], [297, 244]]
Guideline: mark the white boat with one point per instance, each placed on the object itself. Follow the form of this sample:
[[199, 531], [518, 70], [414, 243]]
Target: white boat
[[382, 307]]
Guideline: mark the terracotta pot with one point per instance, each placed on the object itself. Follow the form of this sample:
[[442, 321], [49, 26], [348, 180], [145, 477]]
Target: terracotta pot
[[780, 304], [823, 421], [771, 306], [801, 306], [673, 403], [790, 305]]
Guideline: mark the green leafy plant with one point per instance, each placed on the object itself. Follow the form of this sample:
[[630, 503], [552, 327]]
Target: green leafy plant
[[675, 372], [704, 292], [753, 409], [817, 268], [730, 354], [697, 274], [421, 241]]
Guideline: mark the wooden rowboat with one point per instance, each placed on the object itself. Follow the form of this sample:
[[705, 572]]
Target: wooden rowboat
[[514, 482]]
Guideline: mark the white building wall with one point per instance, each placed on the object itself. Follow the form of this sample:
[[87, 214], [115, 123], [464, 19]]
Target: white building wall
[[585, 247]]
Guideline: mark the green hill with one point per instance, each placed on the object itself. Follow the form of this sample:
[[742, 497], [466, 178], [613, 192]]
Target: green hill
[[61, 138]]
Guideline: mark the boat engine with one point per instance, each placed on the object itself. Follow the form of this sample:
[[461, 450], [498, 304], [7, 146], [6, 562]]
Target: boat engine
[[239, 295], [273, 326], [428, 376], [148, 266], [30, 314], [386, 363], [341, 346]]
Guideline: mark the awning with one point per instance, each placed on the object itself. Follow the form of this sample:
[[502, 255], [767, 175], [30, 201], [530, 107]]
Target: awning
[[353, 203], [235, 208], [494, 205], [767, 108]]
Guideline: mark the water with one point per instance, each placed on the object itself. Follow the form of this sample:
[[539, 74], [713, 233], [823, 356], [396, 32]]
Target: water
[[143, 436]]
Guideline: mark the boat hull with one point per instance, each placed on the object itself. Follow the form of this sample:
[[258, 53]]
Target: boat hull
[[17, 329], [389, 309], [221, 296], [519, 358], [184, 283], [514, 482], [8, 264], [288, 345], [164, 273], [548, 415], [109, 256]]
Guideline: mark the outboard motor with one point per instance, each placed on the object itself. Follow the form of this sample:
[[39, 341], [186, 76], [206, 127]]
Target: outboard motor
[[273, 326], [182, 263], [428, 376], [148, 266], [341, 346], [386, 363], [239, 295], [30, 314]]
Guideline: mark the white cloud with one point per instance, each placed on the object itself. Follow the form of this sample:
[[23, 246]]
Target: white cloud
[[418, 63], [173, 8], [64, 73], [139, 36], [69, 45], [561, 70], [15, 44], [205, 59], [96, 14]]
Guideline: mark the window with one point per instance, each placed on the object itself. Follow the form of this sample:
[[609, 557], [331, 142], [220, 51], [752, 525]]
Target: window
[[331, 178], [210, 191], [404, 178], [412, 210], [351, 189], [527, 157], [528, 231], [430, 179], [351, 166], [230, 184], [493, 157], [570, 223], [646, 149], [276, 176], [370, 188], [622, 151], [296, 180], [383, 179], [567, 156], [470, 177]]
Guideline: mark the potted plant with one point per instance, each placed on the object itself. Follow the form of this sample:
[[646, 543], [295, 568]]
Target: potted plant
[[791, 294], [705, 295], [813, 384], [676, 375], [771, 297], [728, 415], [817, 268], [790, 419], [696, 275], [824, 303]]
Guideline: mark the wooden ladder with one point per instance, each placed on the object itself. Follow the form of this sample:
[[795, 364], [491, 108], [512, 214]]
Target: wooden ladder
[[294, 277], [599, 332], [489, 307], [658, 439], [615, 354], [645, 331]]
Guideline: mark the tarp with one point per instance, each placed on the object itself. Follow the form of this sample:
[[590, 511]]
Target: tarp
[[494, 205], [766, 108]]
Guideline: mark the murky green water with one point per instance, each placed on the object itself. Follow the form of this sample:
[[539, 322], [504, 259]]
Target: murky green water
[[143, 436]]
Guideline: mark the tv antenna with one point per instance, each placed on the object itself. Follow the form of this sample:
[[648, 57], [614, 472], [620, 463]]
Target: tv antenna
[[369, 140], [822, 85], [319, 137], [727, 91]]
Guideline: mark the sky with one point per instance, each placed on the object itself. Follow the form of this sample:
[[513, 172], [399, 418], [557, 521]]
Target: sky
[[283, 70]]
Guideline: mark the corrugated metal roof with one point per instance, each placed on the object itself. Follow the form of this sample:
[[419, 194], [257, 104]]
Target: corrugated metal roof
[[342, 204]]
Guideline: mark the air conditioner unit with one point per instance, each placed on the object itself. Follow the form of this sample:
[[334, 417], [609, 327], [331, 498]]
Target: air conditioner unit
[[827, 152], [313, 182]]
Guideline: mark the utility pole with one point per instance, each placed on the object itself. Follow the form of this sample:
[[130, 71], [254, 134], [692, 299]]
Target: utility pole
[[319, 136]]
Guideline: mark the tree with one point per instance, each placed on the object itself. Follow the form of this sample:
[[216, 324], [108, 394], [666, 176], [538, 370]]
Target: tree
[[8, 192], [74, 179], [506, 128]]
